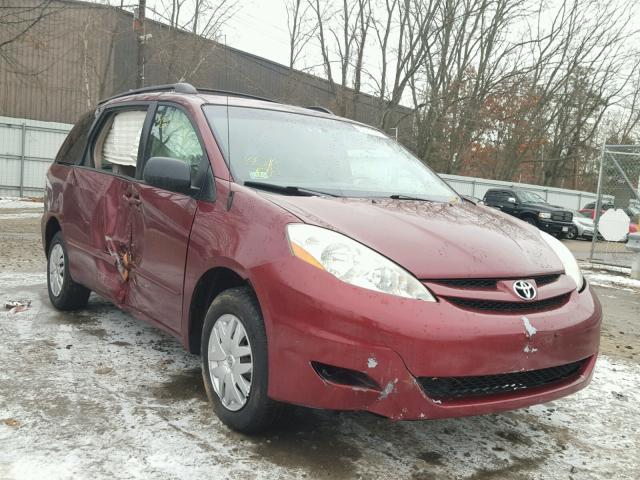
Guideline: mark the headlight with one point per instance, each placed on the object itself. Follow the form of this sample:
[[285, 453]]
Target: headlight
[[544, 215], [569, 262], [352, 262]]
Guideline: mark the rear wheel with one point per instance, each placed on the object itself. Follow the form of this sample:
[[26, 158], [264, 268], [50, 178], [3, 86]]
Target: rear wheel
[[64, 293], [235, 362]]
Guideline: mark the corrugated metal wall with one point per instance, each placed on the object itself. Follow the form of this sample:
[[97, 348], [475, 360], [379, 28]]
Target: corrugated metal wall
[[83, 53], [27, 148]]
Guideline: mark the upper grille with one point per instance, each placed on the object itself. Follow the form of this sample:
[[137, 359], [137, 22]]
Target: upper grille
[[562, 216], [448, 388], [493, 306], [546, 279], [491, 283]]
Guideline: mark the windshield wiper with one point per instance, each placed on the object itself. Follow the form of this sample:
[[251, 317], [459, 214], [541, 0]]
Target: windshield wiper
[[397, 196], [287, 189]]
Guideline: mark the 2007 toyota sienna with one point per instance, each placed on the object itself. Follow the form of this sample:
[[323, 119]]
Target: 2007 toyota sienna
[[310, 260]]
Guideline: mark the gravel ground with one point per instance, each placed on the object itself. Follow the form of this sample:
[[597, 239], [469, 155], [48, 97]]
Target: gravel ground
[[97, 394]]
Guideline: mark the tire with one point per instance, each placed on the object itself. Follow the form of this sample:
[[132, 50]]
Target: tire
[[64, 293], [531, 221], [237, 311], [572, 234]]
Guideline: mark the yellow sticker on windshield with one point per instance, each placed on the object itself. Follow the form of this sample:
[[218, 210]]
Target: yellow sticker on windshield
[[260, 172]]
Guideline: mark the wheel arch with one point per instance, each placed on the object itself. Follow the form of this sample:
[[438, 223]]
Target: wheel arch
[[53, 226], [210, 284]]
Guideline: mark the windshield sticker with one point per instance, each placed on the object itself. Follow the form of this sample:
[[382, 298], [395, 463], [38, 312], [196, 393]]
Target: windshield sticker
[[370, 131], [260, 171]]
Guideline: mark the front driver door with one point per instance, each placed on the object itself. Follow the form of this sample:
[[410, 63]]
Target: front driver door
[[162, 220]]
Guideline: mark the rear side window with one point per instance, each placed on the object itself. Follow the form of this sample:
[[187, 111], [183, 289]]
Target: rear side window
[[116, 148], [498, 196], [72, 150]]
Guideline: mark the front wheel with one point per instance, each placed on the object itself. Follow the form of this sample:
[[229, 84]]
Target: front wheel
[[531, 221], [64, 293], [571, 234], [235, 362]]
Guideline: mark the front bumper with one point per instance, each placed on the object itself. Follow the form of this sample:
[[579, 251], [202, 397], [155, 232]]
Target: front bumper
[[554, 227], [312, 317]]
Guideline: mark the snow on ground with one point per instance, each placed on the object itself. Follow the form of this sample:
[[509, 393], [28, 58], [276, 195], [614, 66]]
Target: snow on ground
[[608, 280], [96, 394], [15, 202], [610, 276], [14, 216]]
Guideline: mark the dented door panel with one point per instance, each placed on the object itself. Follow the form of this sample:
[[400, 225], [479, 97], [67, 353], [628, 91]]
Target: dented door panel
[[96, 227], [161, 223], [113, 236]]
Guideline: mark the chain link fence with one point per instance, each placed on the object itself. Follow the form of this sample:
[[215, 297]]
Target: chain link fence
[[616, 211]]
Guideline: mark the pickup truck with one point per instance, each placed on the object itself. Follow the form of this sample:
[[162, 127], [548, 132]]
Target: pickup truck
[[531, 208]]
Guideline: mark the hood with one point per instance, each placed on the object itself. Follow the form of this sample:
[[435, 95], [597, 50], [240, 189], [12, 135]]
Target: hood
[[583, 220], [433, 240], [545, 207]]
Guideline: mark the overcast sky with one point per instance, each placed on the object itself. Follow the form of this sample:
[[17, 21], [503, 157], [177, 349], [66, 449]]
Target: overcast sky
[[260, 27]]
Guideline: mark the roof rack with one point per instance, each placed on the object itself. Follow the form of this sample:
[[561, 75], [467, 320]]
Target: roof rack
[[233, 94], [318, 108], [183, 87], [176, 87]]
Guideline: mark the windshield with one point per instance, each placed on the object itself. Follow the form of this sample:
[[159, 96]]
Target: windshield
[[320, 154], [530, 197]]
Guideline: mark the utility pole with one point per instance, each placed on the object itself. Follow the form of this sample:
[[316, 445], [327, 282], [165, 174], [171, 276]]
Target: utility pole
[[138, 28]]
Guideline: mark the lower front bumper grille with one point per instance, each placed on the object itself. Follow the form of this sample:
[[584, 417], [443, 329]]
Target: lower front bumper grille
[[449, 388]]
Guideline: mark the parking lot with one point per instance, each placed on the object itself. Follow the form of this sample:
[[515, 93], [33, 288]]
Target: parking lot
[[97, 394]]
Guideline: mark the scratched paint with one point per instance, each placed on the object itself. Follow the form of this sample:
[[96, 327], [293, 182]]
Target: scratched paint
[[388, 389], [529, 329]]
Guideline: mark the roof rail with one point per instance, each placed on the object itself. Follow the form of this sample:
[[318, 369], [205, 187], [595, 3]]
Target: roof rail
[[318, 108], [233, 94], [176, 87]]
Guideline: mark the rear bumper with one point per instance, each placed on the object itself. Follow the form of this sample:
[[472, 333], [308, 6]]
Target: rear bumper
[[312, 317]]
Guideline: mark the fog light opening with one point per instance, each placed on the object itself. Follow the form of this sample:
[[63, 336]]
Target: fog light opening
[[344, 376]]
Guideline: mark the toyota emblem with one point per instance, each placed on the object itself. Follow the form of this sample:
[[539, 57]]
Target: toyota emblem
[[525, 290]]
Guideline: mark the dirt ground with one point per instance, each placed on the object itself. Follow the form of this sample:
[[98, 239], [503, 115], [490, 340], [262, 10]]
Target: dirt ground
[[97, 394]]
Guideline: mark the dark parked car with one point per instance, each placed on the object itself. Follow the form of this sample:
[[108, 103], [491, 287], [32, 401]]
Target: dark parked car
[[531, 208], [310, 260]]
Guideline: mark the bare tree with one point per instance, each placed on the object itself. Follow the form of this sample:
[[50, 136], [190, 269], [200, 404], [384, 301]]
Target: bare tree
[[17, 19], [509, 106], [204, 19], [302, 27], [342, 35]]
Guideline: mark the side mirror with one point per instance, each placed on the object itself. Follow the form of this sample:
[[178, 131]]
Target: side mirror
[[168, 173], [512, 200]]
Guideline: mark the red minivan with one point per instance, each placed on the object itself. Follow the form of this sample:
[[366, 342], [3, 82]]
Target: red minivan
[[310, 260]]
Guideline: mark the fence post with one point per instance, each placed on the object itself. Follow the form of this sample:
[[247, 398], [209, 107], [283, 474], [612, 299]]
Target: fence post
[[22, 156], [598, 205]]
